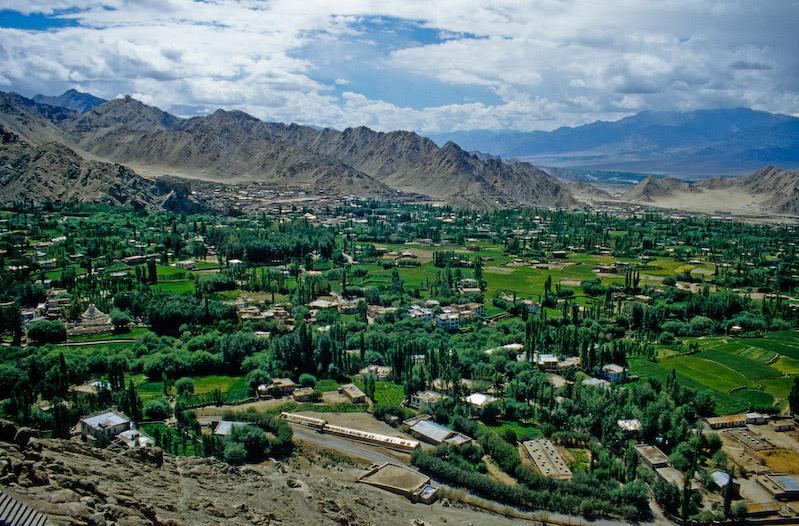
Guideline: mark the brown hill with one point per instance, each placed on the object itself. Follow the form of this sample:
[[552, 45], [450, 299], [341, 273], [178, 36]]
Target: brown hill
[[768, 180], [358, 161], [222, 149], [652, 188], [33, 122], [411, 163], [54, 172]]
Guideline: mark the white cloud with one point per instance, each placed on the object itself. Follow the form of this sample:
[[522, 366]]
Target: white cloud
[[547, 63]]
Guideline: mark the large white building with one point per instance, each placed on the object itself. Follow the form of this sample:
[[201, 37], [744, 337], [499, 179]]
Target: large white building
[[101, 428]]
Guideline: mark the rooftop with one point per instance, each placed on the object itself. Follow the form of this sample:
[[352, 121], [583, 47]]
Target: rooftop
[[105, 420], [652, 454], [224, 427]]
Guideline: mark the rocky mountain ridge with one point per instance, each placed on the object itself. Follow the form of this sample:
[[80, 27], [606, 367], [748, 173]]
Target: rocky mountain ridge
[[234, 146], [72, 100], [53, 172]]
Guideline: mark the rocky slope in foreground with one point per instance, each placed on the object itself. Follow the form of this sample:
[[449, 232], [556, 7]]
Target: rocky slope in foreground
[[74, 483]]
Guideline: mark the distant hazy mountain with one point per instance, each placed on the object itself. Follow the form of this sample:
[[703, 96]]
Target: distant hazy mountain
[[72, 100], [234, 146], [698, 143]]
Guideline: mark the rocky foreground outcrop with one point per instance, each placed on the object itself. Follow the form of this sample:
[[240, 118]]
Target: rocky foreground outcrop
[[77, 484]]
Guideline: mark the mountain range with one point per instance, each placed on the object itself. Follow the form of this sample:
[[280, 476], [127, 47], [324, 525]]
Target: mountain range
[[232, 146], [690, 145], [79, 147]]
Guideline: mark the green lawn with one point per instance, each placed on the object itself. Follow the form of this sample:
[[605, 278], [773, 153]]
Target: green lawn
[[133, 333], [388, 393], [523, 430], [327, 385], [181, 287]]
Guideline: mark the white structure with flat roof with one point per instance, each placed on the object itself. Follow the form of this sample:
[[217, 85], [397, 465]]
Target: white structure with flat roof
[[103, 426], [424, 428], [479, 400], [224, 427]]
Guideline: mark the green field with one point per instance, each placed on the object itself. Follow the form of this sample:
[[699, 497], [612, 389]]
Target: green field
[[725, 403], [765, 367], [710, 373]]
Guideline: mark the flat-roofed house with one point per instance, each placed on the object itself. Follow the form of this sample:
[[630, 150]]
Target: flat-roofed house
[[424, 399], [286, 385], [756, 418], [721, 479], [102, 427], [479, 400], [353, 393], [303, 394], [652, 456], [782, 487], [133, 438], [614, 373], [673, 476], [721, 422], [632, 425], [547, 459], [377, 372], [429, 431], [224, 427]]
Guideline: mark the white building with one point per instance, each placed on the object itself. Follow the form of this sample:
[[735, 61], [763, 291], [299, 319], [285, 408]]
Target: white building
[[420, 313], [479, 400], [104, 426]]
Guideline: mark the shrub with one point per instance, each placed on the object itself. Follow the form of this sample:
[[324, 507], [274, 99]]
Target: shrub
[[184, 386], [156, 409], [46, 331], [307, 380]]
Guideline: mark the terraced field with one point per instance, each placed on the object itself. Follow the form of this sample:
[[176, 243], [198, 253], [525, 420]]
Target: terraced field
[[738, 371]]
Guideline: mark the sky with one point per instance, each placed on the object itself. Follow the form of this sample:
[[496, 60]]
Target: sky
[[425, 66]]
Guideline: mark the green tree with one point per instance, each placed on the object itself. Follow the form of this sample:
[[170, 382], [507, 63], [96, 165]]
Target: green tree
[[184, 387], [793, 397], [46, 331]]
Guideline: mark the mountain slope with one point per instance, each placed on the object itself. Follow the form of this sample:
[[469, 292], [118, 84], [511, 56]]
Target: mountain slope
[[54, 172], [411, 163], [236, 146], [71, 100], [781, 187], [31, 121]]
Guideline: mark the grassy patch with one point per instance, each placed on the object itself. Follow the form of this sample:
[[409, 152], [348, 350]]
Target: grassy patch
[[524, 431], [388, 393], [327, 385], [206, 384], [754, 397]]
